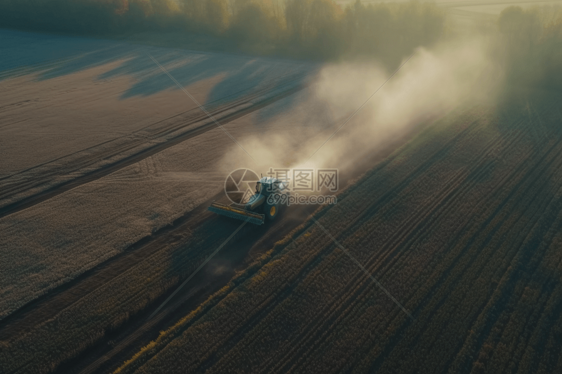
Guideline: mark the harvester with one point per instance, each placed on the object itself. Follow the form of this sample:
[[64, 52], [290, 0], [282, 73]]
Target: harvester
[[257, 209]]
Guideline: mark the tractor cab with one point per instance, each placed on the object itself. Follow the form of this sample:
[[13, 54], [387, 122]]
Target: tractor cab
[[268, 185]]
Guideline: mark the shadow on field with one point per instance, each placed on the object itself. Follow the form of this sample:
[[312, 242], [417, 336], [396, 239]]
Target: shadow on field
[[53, 56]]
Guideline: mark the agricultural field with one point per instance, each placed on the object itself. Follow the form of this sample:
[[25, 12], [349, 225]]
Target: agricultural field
[[461, 227], [49, 105], [102, 218], [73, 241], [131, 227], [441, 255]]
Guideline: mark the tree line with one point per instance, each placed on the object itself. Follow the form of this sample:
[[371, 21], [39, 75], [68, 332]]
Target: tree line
[[529, 42], [312, 29]]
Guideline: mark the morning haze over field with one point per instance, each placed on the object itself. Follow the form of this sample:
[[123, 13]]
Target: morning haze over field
[[397, 167]]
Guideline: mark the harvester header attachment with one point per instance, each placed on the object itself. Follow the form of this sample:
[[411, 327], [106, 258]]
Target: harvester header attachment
[[237, 213]]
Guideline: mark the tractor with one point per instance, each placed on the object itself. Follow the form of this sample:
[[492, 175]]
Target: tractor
[[259, 208]]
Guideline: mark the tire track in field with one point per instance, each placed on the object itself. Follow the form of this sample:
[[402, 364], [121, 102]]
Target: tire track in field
[[133, 151], [238, 332], [529, 174], [137, 334], [524, 330], [473, 177], [518, 171], [525, 224], [492, 216], [535, 263], [466, 230], [553, 307]]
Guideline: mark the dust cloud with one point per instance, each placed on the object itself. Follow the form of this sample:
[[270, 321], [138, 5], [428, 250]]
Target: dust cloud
[[428, 85]]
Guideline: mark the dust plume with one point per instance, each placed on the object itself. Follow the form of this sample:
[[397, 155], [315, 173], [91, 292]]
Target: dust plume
[[430, 83]]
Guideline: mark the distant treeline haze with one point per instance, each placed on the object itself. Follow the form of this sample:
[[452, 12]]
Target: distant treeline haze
[[531, 44], [530, 41], [319, 29]]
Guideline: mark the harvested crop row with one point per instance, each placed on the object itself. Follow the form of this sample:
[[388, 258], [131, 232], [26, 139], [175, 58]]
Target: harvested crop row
[[85, 322]]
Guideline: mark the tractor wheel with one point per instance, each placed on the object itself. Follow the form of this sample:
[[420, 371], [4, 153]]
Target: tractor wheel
[[271, 211]]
